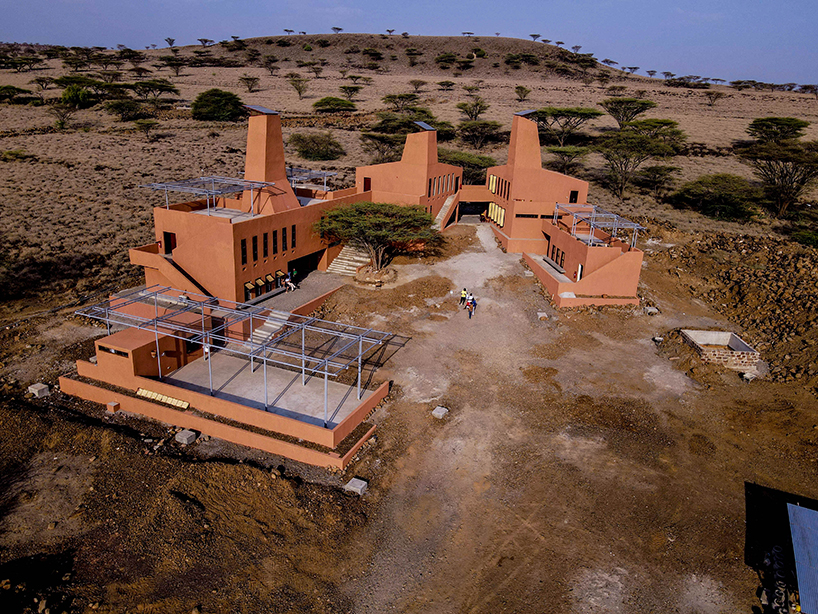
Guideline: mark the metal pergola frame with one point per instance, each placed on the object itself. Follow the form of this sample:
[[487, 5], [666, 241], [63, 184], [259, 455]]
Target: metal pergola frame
[[218, 186], [301, 175], [596, 218], [178, 302]]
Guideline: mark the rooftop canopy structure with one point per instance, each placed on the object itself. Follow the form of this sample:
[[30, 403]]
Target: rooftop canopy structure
[[587, 219], [295, 342], [210, 187], [303, 175]]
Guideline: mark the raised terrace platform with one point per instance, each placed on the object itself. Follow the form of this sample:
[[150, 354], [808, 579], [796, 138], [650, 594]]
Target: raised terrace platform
[[285, 383], [236, 380]]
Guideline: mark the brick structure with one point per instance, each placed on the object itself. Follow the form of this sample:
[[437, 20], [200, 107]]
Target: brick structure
[[722, 348]]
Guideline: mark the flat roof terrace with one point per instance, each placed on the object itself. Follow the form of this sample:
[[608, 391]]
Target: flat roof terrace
[[236, 380]]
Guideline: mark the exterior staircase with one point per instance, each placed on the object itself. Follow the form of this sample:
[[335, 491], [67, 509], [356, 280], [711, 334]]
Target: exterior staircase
[[444, 214], [348, 261], [265, 332]]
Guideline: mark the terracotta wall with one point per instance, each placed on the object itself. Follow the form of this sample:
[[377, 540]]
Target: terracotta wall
[[188, 420], [614, 284]]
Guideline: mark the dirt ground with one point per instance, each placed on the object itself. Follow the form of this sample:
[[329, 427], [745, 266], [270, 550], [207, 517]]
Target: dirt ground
[[581, 466]]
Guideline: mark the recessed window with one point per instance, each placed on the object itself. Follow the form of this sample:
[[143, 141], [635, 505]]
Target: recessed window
[[264, 250], [255, 248], [274, 234], [292, 237], [244, 251], [530, 216], [283, 239], [103, 348]]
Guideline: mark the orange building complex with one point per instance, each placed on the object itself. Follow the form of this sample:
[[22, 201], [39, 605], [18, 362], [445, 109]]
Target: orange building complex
[[574, 249], [193, 349]]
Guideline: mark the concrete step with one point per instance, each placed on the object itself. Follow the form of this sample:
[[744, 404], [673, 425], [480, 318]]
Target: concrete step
[[348, 261], [444, 213], [267, 330]]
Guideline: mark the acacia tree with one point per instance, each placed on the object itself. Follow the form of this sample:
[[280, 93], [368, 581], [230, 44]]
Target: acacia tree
[[349, 91], [417, 84], [474, 109], [380, 229], [624, 152], [713, 97], [249, 81], [298, 83], [625, 110], [777, 129], [785, 168], [563, 122], [400, 102], [522, 92], [478, 133], [534, 37], [665, 130], [568, 156]]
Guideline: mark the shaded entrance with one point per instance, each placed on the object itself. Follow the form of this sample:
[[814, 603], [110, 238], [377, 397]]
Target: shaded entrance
[[304, 265], [472, 211]]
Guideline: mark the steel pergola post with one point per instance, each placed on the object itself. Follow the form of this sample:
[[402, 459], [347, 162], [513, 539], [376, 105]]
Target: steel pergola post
[[251, 344], [209, 353], [156, 332], [326, 375], [303, 360], [360, 351], [266, 404]]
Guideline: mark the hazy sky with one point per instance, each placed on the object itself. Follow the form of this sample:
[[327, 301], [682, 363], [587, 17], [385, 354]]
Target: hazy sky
[[764, 40]]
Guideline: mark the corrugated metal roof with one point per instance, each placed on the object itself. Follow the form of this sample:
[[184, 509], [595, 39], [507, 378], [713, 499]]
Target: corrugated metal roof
[[524, 113], [804, 531]]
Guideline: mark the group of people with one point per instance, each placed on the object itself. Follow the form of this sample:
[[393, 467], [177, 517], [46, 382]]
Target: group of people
[[468, 301], [289, 282]]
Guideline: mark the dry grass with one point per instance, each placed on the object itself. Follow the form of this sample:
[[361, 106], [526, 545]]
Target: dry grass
[[73, 210]]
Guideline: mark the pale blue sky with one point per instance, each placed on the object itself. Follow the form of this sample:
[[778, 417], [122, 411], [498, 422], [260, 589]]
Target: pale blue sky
[[730, 39]]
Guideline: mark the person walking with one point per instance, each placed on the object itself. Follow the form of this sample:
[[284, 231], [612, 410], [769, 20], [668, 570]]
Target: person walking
[[470, 305], [469, 298], [463, 294]]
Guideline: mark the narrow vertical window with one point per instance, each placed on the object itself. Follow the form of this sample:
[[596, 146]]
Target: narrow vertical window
[[283, 239], [244, 251], [292, 237], [255, 248], [264, 248], [275, 241]]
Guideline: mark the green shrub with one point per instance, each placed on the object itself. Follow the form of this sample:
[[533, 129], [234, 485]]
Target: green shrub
[[127, 110], [319, 146], [307, 47], [446, 59], [283, 42], [372, 54], [331, 104], [77, 97], [806, 237], [474, 167], [722, 196], [480, 53], [217, 105]]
